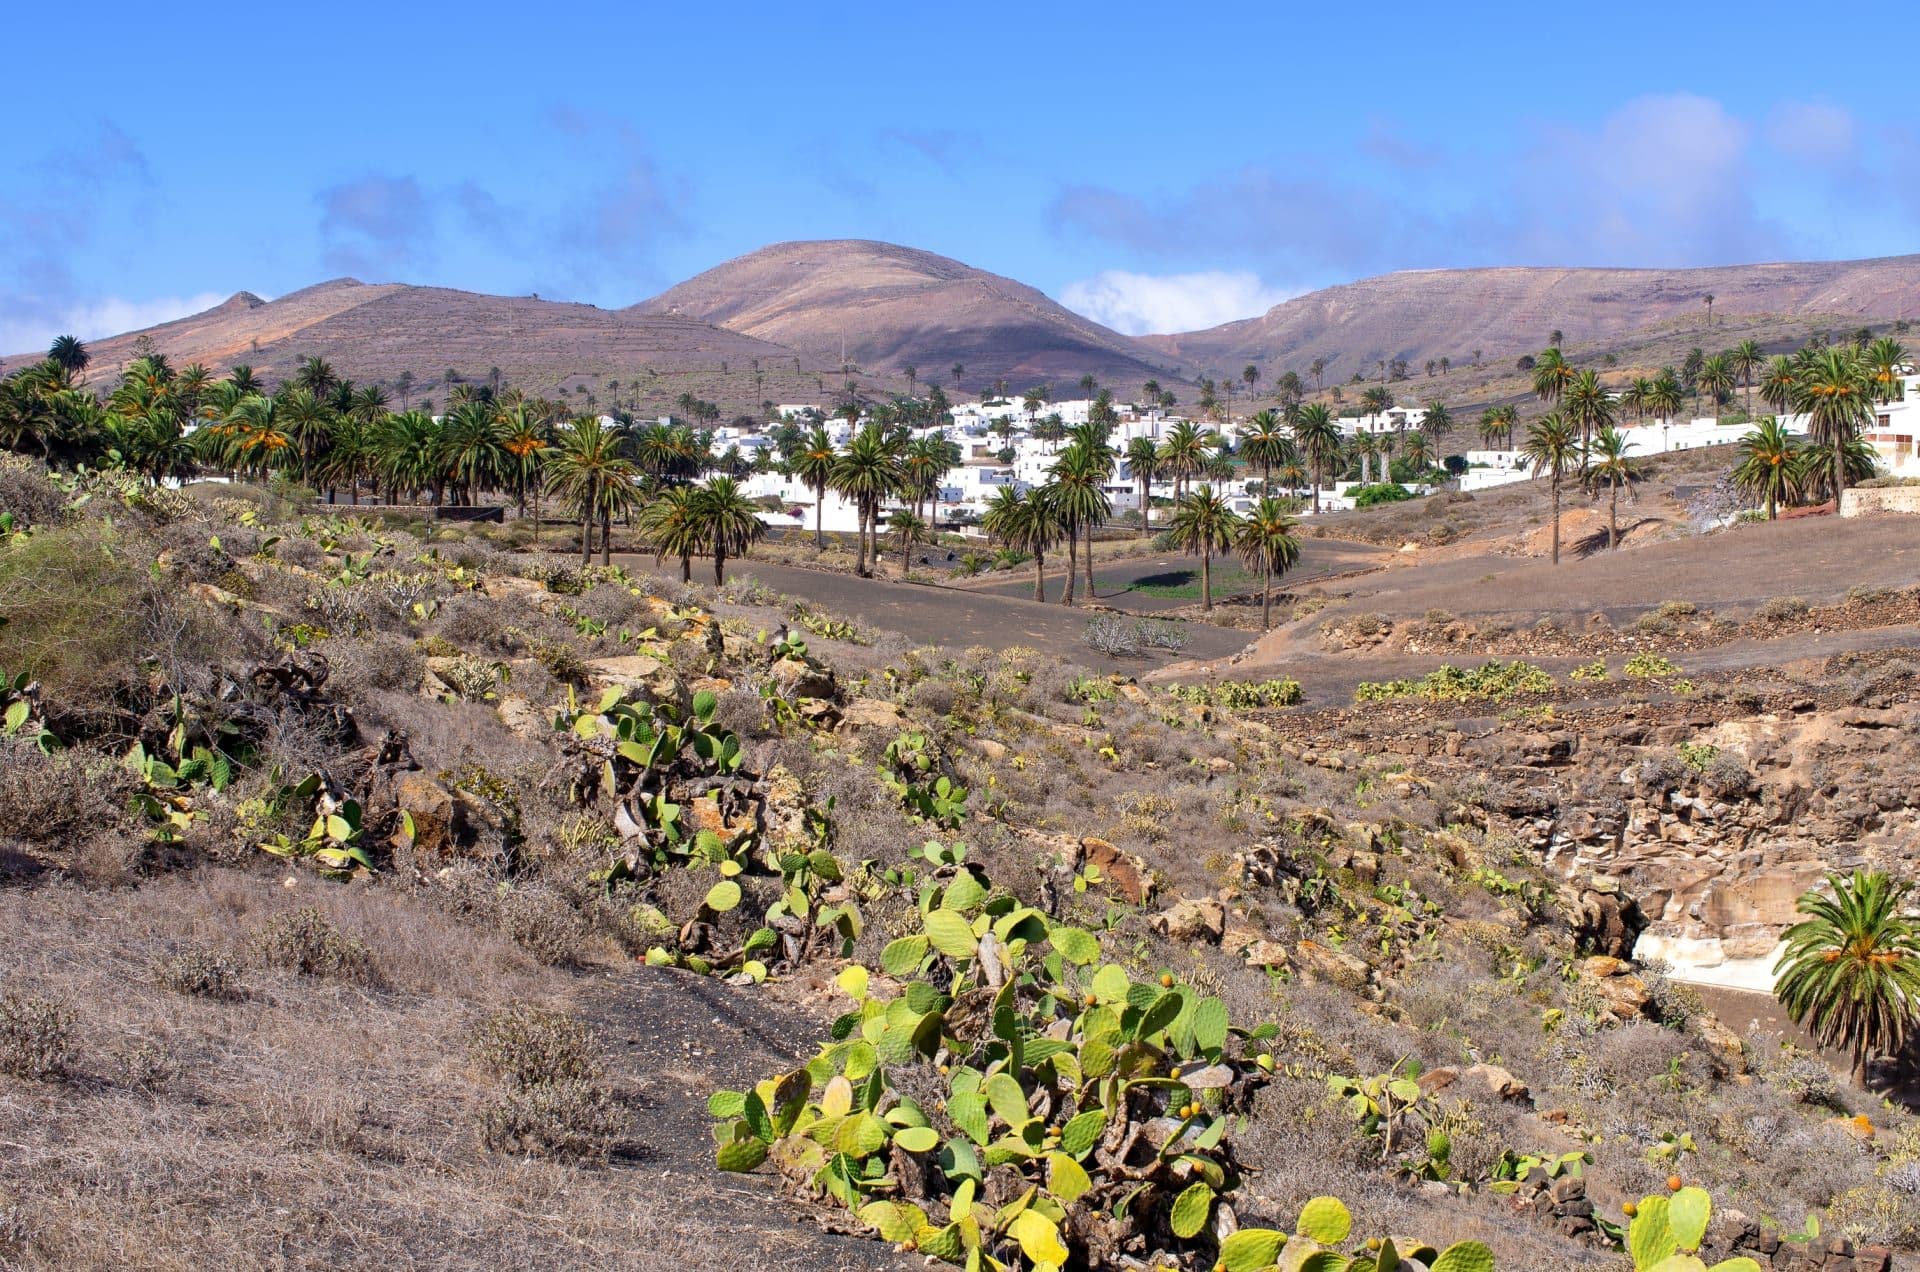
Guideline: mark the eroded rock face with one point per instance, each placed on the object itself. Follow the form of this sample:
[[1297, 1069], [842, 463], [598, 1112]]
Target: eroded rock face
[[1691, 841]]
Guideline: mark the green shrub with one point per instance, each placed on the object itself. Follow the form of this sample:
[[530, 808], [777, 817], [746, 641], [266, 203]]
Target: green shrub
[[1492, 679], [1382, 492], [1240, 695]]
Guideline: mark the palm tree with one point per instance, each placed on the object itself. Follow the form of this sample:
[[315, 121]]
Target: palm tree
[[1634, 396], [1202, 522], [1589, 406], [728, 520], [1716, 379], [911, 529], [1438, 421], [1265, 540], [1025, 523], [1664, 400], [1491, 426], [316, 376], [672, 525], [1143, 461], [1183, 454], [1886, 364], [1608, 466], [1077, 491], [70, 353], [1550, 448], [1745, 358], [523, 443], [1318, 437], [471, 454], [590, 473], [1767, 464], [1264, 442], [866, 473], [1835, 392], [813, 464], [1777, 385], [1552, 373], [1849, 973]]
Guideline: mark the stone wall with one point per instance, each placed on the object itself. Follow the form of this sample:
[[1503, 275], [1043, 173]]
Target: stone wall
[[1873, 501]]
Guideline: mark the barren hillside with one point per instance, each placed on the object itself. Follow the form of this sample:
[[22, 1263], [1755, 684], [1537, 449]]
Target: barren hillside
[[1501, 312], [888, 307], [374, 332]]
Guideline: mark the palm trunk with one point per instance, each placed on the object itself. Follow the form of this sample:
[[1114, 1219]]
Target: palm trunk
[[606, 536], [686, 567], [1316, 485], [1839, 472], [586, 537], [1613, 516], [719, 563], [1556, 519], [1091, 596], [1206, 579], [1040, 577], [1073, 563], [819, 517], [860, 539], [1146, 508], [1266, 600]]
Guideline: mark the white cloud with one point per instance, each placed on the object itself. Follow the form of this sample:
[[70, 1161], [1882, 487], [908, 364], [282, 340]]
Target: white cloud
[[1814, 132], [1137, 304], [94, 319]]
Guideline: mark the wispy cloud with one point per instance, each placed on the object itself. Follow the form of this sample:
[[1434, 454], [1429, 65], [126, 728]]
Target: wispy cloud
[[377, 224], [1137, 304], [94, 319]]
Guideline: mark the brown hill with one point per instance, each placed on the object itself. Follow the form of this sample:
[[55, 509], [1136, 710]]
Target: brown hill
[[888, 307], [373, 332], [1502, 312]]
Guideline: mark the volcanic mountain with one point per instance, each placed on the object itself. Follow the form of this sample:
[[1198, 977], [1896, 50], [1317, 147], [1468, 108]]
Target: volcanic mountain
[[1451, 313], [374, 332], [883, 307]]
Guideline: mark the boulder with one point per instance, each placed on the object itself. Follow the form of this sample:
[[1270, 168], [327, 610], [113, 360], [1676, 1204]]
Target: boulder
[[643, 674], [1126, 873], [522, 718], [1193, 921], [871, 713], [1336, 967], [801, 678]]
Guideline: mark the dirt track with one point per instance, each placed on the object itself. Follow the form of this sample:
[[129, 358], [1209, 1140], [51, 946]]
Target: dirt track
[[959, 618]]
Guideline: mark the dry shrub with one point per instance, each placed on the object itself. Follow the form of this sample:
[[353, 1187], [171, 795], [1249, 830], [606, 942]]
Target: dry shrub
[[527, 1046], [574, 1120], [36, 1038], [555, 1104], [72, 603], [307, 942], [147, 1064], [200, 971], [56, 799], [27, 494], [542, 921]]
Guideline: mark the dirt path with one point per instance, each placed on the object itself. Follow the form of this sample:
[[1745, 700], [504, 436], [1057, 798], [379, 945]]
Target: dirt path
[[955, 618], [671, 1039], [1128, 583]]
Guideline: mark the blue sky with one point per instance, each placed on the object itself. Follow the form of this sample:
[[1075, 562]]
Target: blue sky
[[1160, 167]]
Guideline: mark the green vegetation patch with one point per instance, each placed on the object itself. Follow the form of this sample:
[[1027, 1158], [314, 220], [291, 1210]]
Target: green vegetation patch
[[1240, 695], [1493, 680]]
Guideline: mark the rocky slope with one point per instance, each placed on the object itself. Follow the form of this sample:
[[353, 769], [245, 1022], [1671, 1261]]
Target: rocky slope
[[374, 332], [1502, 312], [889, 307]]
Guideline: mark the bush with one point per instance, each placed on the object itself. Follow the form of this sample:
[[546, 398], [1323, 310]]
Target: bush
[[542, 922], [1382, 492], [527, 1046], [36, 1038], [72, 606], [1782, 609], [307, 942], [1492, 679], [571, 1119], [199, 971], [1113, 636]]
